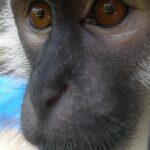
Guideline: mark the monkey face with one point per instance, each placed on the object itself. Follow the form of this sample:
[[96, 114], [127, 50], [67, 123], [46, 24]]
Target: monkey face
[[85, 90]]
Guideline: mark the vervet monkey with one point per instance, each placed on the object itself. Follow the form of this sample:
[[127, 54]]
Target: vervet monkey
[[89, 73]]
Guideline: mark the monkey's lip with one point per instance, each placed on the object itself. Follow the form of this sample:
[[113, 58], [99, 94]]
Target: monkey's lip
[[54, 99]]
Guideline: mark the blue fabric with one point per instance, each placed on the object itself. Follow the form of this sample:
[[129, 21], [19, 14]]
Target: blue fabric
[[12, 90]]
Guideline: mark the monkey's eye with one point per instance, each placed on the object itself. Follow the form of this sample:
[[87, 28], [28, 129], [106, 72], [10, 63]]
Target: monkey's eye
[[40, 15], [109, 13]]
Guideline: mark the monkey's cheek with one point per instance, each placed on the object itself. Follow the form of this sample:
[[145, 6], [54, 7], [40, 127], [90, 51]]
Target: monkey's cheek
[[61, 118], [38, 126], [29, 121]]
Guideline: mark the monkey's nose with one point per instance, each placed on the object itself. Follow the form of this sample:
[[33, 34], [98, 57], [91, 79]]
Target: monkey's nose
[[55, 98]]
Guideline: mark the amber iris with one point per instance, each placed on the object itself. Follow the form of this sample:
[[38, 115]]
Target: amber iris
[[109, 13], [40, 15]]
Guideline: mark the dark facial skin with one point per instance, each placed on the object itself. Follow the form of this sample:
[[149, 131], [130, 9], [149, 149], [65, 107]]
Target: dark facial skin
[[82, 93]]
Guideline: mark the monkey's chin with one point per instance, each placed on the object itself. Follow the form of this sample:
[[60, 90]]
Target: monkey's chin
[[86, 137]]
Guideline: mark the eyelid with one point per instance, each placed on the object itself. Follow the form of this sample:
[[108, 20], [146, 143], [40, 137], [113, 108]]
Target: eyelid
[[30, 2], [139, 4]]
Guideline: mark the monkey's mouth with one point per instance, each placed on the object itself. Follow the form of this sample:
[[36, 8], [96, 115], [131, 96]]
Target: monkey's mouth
[[52, 100]]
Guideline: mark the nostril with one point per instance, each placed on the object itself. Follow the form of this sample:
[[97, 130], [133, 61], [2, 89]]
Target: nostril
[[55, 98]]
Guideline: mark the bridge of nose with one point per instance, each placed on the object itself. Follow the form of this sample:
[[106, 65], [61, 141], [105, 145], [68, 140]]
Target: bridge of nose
[[61, 57]]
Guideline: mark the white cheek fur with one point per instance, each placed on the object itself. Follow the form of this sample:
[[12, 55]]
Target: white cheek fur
[[15, 62], [14, 56], [143, 74], [11, 139]]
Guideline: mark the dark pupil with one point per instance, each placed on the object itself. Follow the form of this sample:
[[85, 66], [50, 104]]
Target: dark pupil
[[39, 12], [108, 9]]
